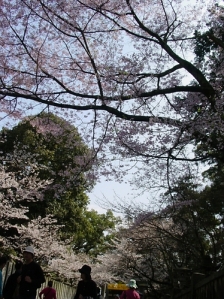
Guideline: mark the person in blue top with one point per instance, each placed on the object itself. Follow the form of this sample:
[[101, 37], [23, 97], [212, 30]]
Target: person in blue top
[[3, 261]]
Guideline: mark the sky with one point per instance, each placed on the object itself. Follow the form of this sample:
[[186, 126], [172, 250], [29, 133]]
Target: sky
[[109, 190]]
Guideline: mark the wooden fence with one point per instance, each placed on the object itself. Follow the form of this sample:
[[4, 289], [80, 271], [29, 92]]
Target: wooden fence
[[211, 287], [63, 291]]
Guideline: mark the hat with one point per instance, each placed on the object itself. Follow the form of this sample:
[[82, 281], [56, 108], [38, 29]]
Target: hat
[[29, 249], [85, 269], [132, 284]]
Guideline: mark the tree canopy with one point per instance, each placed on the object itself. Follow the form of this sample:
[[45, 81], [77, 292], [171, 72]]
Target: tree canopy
[[164, 248], [127, 67], [48, 150], [143, 80]]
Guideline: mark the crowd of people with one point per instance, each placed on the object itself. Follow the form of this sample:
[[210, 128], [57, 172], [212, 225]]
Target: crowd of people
[[29, 276]]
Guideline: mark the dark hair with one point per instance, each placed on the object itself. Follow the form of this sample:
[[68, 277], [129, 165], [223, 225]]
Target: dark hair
[[3, 260], [50, 283], [18, 265]]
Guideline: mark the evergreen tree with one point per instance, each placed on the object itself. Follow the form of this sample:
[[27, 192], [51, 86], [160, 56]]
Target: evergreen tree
[[51, 149]]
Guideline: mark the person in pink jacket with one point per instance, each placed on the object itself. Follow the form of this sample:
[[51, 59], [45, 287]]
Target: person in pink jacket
[[48, 292], [131, 293]]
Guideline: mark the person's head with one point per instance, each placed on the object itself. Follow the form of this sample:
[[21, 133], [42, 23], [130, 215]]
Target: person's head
[[28, 254], [3, 261], [85, 272], [50, 283], [132, 284], [18, 266]]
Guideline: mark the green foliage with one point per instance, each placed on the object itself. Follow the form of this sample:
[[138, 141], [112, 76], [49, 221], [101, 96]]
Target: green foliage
[[54, 150], [92, 237], [199, 214], [203, 45], [184, 236]]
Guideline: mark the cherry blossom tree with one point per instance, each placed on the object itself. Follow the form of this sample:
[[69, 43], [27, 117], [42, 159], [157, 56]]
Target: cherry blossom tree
[[49, 149], [39, 165], [12, 192], [124, 71], [164, 247], [17, 231], [127, 73]]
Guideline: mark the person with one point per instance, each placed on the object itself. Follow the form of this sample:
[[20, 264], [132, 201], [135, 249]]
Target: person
[[3, 261], [48, 292], [131, 293], [87, 288], [11, 288], [31, 277]]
